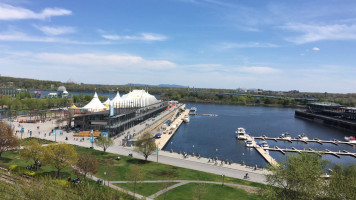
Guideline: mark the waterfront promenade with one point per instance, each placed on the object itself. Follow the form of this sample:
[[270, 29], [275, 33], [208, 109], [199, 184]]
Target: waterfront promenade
[[234, 170]]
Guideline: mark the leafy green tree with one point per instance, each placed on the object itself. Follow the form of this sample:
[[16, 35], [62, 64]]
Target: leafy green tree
[[297, 177], [342, 183], [32, 150], [104, 142], [145, 145], [60, 155]]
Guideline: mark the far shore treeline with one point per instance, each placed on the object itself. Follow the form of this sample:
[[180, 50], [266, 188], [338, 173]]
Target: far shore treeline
[[25, 100]]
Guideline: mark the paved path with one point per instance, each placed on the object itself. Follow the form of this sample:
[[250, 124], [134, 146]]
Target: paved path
[[183, 182]]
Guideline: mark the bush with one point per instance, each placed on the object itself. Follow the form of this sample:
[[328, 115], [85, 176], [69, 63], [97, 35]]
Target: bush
[[63, 183], [21, 170]]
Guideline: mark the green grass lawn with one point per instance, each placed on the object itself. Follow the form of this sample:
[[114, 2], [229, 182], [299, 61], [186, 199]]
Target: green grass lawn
[[41, 141], [207, 192], [118, 170], [146, 189]]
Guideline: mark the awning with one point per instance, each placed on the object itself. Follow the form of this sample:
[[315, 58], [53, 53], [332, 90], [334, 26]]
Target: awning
[[158, 134]]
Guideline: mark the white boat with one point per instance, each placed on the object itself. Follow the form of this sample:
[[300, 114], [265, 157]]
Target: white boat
[[241, 134], [248, 143], [193, 111], [264, 144], [302, 137], [186, 118], [351, 139], [285, 136]]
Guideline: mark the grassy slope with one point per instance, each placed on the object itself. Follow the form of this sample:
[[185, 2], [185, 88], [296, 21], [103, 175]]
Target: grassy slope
[[145, 189], [207, 191]]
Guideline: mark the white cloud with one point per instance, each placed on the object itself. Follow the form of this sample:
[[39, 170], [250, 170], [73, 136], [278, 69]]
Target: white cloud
[[232, 45], [22, 37], [8, 12], [313, 33], [141, 36], [258, 70], [315, 49], [100, 61], [55, 30]]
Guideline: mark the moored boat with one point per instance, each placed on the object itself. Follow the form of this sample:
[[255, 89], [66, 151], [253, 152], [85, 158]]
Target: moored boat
[[248, 143], [351, 139], [303, 136], [285, 136], [241, 134], [193, 111], [264, 144], [186, 118]]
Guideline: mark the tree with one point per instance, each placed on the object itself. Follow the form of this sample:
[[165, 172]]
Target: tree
[[104, 142], [297, 177], [7, 139], [342, 183], [134, 175], [145, 145], [87, 163], [60, 155], [32, 150]]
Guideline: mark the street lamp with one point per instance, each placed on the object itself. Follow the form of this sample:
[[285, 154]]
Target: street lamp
[[223, 179], [105, 177], [193, 150], [171, 146], [216, 153]]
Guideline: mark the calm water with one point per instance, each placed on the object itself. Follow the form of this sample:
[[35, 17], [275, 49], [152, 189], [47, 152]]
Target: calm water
[[215, 136]]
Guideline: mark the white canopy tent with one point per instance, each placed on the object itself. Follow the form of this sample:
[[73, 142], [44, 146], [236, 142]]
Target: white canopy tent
[[136, 98], [95, 104]]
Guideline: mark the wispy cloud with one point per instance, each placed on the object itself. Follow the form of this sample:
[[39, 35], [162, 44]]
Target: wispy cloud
[[14, 36], [313, 33], [316, 49], [8, 12], [141, 36], [233, 45], [55, 30], [259, 70]]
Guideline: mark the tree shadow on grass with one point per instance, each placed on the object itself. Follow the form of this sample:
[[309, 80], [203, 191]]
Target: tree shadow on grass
[[137, 161], [5, 160]]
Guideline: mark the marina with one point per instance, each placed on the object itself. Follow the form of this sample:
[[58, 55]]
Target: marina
[[326, 151]]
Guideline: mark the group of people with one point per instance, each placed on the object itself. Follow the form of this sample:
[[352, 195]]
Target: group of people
[[76, 181]]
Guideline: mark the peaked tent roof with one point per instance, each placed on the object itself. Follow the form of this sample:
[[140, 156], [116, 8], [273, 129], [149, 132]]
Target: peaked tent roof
[[107, 102], [95, 104], [116, 99]]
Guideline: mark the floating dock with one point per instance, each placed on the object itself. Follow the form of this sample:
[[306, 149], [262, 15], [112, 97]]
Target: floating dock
[[210, 115], [263, 152], [335, 142], [327, 152]]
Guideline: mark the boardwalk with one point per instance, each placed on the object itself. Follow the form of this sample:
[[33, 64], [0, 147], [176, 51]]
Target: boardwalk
[[170, 131], [336, 154], [335, 142], [263, 153]]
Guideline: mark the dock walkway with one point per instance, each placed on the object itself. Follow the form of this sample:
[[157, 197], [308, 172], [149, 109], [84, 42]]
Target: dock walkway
[[171, 130], [335, 142], [263, 153], [336, 154]]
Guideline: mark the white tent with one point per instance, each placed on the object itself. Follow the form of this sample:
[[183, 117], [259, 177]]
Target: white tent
[[107, 102], [95, 104], [136, 98]]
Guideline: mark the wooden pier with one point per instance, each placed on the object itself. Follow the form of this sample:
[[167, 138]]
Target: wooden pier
[[263, 153], [335, 142], [210, 115], [325, 152]]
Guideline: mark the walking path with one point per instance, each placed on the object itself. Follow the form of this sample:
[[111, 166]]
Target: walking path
[[183, 182]]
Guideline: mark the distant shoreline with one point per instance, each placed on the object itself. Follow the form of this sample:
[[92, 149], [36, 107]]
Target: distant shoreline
[[240, 104]]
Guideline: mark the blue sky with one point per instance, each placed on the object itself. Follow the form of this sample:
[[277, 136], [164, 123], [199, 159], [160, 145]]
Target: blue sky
[[273, 45]]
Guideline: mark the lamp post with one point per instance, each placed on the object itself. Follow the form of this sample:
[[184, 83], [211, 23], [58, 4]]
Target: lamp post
[[193, 150], [216, 153], [105, 177], [171, 146], [223, 179]]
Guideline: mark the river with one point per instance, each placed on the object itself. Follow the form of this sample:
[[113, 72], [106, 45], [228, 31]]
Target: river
[[215, 136]]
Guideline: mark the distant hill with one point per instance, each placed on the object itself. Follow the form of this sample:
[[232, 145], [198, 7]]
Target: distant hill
[[160, 85]]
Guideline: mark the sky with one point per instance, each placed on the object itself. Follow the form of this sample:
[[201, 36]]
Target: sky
[[302, 45]]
